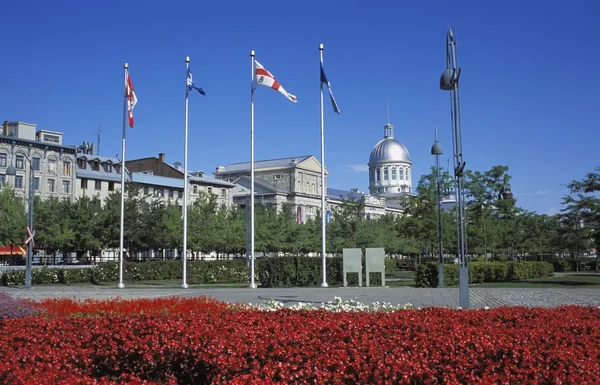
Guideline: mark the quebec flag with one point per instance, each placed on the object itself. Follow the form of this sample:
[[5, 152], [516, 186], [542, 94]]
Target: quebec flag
[[190, 84]]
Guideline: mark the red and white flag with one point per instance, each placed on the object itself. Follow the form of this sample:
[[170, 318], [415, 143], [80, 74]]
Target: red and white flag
[[265, 78], [131, 99]]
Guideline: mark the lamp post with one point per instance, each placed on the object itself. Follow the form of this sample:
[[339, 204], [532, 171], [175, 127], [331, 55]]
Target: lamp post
[[449, 82], [436, 150], [12, 171]]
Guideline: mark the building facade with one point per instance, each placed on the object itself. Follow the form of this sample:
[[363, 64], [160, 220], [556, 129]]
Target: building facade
[[42, 153], [156, 170], [296, 181]]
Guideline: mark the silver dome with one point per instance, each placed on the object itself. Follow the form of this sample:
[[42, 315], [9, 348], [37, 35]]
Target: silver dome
[[389, 150]]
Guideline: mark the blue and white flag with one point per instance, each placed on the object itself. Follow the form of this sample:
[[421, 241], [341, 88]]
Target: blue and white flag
[[190, 84], [326, 82]]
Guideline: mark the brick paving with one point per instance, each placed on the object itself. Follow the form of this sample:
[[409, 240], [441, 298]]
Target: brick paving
[[419, 297]]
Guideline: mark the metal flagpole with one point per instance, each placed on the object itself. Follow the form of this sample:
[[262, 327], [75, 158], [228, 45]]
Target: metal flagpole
[[184, 285], [121, 285], [252, 284], [323, 240]]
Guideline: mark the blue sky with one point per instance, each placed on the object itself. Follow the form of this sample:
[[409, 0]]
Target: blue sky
[[529, 86]]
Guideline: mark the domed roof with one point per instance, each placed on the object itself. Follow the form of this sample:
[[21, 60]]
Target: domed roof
[[389, 149]]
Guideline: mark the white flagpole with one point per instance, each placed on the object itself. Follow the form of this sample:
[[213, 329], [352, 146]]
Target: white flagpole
[[184, 285], [323, 213], [121, 285], [252, 284]]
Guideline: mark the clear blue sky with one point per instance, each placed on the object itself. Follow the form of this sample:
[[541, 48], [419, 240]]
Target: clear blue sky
[[530, 81]]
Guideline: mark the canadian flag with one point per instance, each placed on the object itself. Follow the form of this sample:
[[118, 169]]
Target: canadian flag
[[131, 99], [265, 78]]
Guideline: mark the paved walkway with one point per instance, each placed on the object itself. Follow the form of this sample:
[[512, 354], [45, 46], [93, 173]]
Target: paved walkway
[[447, 297]]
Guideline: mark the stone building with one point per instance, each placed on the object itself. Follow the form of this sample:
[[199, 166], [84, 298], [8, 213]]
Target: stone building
[[41, 152], [156, 170], [296, 181]]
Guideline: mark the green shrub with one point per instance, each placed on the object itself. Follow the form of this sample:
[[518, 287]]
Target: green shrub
[[482, 272], [68, 276], [391, 265], [307, 271], [198, 272]]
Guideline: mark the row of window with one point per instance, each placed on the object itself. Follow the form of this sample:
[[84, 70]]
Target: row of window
[[311, 188], [50, 184], [85, 185], [161, 193], [36, 164], [195, 190], [97, 185], [95, 165], [402, 174]]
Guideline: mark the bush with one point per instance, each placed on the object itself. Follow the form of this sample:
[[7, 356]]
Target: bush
[[68, 276], [198, 272], [307, 271], [482, 272], [390, 265]]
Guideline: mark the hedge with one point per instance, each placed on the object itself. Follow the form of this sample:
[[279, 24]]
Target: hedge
[[198, 272], [481, 272], [307, 271], [272, 272]]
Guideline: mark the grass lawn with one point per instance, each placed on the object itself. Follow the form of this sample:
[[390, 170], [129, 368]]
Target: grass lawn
[[582, 281], [400, 279]]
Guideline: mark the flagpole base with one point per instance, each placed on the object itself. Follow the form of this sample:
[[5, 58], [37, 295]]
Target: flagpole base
[[252, 286], [324, 284], [121, 285], [185, 286]]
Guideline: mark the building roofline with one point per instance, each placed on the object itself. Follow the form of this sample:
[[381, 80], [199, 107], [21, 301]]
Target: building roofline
[[37, 143]]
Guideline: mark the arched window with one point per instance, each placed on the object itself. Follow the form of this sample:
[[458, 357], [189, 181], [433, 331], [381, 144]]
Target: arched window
[[393, 173], [378, 179], [385, 173], [401, 177]]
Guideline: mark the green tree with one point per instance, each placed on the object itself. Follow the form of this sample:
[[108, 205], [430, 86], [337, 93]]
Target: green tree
[[54, 226], [581, 213], [87, 225], [13, 218], [202, 231]]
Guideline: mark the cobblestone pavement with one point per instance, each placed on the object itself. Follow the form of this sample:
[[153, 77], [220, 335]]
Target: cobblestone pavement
[[447, 297]]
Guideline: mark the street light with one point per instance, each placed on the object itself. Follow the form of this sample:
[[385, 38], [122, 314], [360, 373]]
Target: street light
[[449, 82], [436, 150], [13, 172]]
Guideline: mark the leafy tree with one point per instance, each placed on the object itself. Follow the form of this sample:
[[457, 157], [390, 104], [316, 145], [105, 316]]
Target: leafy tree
[[201, 225], [13, 218], [581, 214], [87, 224], [54, 225]]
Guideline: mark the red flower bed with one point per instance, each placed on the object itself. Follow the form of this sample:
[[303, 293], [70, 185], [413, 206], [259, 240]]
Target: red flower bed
[[61, 307], [430, 346]]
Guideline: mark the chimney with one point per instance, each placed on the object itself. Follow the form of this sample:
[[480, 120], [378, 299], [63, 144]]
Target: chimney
[[161, 157]]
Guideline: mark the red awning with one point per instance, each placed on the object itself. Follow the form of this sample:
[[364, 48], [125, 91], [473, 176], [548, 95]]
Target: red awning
[[13, 250]]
